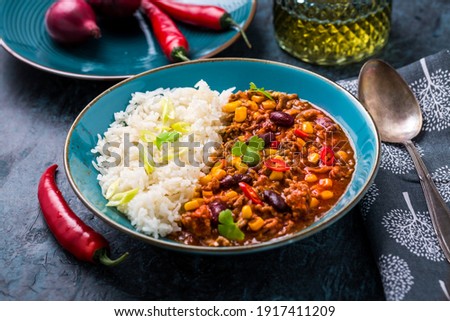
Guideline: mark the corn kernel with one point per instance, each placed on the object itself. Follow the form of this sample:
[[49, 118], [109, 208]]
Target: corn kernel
[[326, 182], [301, 142], [276, 176], [258, 99], [252, 105], [242, 168], [207, 194], [231, 107], [200, 200], [314, 202], [278, 157], [326, 195], [256, 115], [342, 155], [219, 173], [219, 164], [247, 212], [307, 127], [205, 179], [270, 151], [268, 104], [236, 161], [311, 178], [191, 205], [313, 158], [240, 114], [230, 195], [256, 224]]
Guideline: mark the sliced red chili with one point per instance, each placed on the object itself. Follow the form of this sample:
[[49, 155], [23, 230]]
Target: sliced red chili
[[277, 165], [327, 156], [274, 144], [300, 133], [250, 193]]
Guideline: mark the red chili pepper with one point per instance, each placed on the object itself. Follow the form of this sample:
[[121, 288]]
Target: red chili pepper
[[208, 16], [250, 193], [69, 230], [173, 43], [300, 133], [277, 165], [327, 156], [275, 144]]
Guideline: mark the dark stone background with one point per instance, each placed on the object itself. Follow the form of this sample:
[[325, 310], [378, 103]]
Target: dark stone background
[[36, 111]]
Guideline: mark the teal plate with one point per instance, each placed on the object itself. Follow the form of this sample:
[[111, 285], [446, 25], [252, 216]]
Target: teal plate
[[120, 53], [222, 74]]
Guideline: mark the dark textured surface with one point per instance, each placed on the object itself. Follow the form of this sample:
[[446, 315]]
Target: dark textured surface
[[36, 111]]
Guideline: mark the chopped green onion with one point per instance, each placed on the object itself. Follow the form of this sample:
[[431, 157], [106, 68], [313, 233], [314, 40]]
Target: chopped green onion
[[166, 137], [147, 136], [122, 198], [148, 165], [112, 189], [228, 228], [167, 109], [181, 127]]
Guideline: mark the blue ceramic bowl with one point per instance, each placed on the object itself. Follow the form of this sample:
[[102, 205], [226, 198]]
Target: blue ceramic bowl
[[222, 74]]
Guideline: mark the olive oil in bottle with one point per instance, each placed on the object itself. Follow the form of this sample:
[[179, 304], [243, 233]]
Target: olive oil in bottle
[[332, 32]]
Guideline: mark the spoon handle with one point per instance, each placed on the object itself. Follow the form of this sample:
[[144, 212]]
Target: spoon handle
[[439, 212]]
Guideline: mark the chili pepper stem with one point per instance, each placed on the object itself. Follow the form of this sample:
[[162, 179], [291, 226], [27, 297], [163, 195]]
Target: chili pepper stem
[[233, 23], [103, 258], [181, 56]]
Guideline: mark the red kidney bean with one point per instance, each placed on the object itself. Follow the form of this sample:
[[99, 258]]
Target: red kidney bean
[[228, 182], [231, 181], [243, 178], [215, 208], [281, 119], [268, 138], [275, 200]]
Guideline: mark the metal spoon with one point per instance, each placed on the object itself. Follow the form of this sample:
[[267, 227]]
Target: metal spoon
[[398, 117]]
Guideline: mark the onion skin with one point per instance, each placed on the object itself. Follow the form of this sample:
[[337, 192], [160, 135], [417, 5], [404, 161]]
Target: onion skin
[[71, 22], [115, 8]]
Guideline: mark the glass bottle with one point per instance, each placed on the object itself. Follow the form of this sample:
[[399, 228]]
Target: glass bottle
[[332, 32]]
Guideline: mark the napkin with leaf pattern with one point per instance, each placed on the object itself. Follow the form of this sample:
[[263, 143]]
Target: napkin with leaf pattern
[[410, 261]]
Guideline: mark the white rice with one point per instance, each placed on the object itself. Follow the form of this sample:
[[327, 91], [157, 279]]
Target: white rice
[[155, 208]]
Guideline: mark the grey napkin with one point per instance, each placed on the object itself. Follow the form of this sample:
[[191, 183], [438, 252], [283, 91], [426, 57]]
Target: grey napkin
[[410, 261]]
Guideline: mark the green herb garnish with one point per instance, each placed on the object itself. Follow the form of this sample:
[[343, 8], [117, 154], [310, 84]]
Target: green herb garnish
[[256, 143], [249, 151], [228, 227], [239, 148], [166, 137], [260, 90]]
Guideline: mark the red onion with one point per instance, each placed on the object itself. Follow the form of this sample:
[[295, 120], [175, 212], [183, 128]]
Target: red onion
[[71, 21], [115, 8]]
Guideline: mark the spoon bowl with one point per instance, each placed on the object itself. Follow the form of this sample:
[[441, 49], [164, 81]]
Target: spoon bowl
[[389, 100], [398, 117]]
